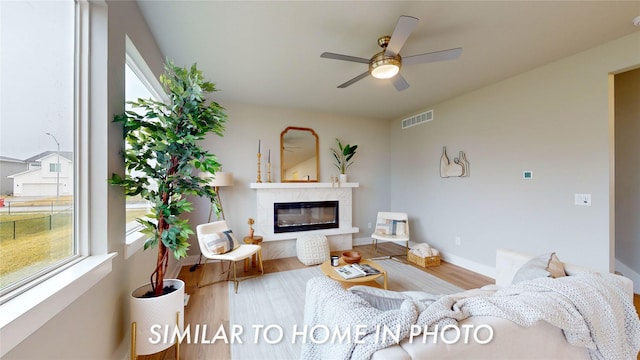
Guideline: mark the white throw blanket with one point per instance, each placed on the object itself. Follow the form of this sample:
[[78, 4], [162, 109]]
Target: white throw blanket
[[328, 304], [593, 310]]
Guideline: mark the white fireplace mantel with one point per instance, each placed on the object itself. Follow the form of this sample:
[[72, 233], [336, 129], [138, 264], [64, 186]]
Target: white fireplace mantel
[[303, 185], [279, 245]]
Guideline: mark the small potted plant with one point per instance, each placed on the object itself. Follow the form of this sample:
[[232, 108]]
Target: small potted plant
[[343, 158], [163, 159]]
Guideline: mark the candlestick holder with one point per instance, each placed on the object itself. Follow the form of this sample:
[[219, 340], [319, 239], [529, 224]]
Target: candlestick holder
[[268, 172], [259, 180]]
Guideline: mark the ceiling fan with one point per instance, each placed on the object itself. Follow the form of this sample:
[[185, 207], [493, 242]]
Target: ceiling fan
[[386, 64]]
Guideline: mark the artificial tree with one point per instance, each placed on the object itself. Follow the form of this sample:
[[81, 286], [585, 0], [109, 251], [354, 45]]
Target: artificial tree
[[163, 157]]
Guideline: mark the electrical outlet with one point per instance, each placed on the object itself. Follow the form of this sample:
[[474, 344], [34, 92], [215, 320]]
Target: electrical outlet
[[458, 241]]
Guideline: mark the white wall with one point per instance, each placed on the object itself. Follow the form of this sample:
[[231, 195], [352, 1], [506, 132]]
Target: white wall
[[553, 121], [96, 326], [237, 152], [627, 130]]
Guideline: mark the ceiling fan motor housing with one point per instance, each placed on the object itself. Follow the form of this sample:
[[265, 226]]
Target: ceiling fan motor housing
[[383, 41], [383, 66]]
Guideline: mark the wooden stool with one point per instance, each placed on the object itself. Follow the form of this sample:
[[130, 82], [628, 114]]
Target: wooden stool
[[255, 240]]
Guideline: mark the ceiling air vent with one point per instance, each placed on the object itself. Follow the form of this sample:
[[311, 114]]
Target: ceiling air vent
[[417, 119]]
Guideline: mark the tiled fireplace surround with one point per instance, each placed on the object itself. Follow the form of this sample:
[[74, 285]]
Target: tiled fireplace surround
[[276, 246]]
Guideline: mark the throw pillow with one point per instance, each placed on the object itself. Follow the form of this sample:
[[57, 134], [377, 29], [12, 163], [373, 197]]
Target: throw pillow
[[546, 265], [400, 227], [221, 242], [384, 227], [392, 227], [556, 269]]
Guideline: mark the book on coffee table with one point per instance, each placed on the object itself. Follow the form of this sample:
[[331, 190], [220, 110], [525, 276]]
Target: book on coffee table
[[356, 270]]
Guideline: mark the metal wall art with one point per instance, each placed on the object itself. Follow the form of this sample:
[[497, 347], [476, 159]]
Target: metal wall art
[[458, 168]]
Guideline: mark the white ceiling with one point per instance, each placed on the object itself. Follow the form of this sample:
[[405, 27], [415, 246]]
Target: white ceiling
[[268, 52]]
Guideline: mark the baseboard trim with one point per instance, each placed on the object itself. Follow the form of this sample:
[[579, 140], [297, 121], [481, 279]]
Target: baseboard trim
[[469, 265], [175, 271], [485, 270], [629, 273], [190, 260], [362, 241]]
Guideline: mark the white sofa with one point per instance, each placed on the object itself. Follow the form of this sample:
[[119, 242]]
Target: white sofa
[[510, 341]]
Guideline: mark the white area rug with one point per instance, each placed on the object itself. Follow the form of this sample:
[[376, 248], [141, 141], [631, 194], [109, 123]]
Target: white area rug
[[273, 304]]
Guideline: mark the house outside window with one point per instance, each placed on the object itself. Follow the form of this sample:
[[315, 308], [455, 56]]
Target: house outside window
[[37, 127]]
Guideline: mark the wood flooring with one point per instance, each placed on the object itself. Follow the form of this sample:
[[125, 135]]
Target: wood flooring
[[212, 303]]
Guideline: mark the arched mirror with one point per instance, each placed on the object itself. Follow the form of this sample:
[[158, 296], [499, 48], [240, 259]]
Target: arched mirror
[[299, 155]]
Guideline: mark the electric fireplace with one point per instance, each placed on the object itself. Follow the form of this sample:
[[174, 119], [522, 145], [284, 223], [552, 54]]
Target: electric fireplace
[[305, 216]]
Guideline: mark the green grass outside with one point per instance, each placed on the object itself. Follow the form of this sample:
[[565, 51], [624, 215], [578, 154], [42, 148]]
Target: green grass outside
[[18, 202], [32, 251], [36, 245]]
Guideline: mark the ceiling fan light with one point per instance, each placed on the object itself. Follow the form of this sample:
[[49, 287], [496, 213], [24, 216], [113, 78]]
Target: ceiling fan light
[[385, 71], [382, 66]]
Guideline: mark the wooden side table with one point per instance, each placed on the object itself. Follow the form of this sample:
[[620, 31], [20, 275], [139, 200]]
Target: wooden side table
[[255, 240]]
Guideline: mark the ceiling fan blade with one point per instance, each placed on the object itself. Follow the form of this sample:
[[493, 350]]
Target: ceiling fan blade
[[403, 29], [355, 79], [432, 56], [400, 83], [334, 56]]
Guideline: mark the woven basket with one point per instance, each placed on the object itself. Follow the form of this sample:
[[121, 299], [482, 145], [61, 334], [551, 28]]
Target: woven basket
[[424, 261]]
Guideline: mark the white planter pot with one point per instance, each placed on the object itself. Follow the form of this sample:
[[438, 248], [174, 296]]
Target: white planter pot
[[162, 311], [343, 178]]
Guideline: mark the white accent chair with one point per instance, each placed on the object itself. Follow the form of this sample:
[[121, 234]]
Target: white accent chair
[[391, 226], [243, 251]]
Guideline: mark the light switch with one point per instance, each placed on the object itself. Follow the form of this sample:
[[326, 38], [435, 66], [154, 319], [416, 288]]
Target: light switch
[[583, 199]]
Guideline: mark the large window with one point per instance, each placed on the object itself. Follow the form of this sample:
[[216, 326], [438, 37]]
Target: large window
[[135, 89], [37, 135], [138, 85]]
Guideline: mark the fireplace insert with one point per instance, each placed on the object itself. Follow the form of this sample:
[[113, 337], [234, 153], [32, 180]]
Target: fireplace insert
[[305, 216]]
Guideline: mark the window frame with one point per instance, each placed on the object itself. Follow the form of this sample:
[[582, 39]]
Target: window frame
[[134, 239], [49, 271], [24, 312]]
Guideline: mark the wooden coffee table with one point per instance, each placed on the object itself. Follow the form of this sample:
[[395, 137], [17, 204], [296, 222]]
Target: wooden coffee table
[[370, 280]]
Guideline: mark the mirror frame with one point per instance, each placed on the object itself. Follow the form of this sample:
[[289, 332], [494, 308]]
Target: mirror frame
[[282, 168]]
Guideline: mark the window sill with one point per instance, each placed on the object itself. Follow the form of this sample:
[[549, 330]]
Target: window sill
[[133, 243], [24, 314]]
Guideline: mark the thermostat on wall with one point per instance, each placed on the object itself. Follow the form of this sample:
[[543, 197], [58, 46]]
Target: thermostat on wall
[[527, 174]]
